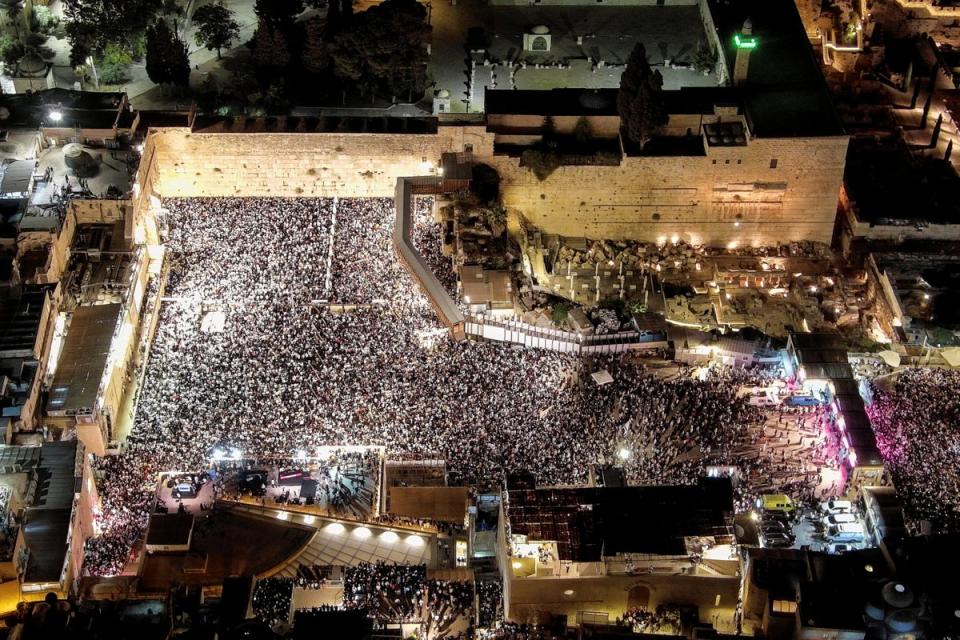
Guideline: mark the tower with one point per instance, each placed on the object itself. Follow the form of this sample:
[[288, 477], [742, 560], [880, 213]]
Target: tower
[[745, 42]]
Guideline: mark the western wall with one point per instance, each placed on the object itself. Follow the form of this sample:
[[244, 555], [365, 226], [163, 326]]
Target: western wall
[[768, 192]]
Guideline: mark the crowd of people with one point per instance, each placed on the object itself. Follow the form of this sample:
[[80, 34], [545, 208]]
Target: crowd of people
[[917, 423], [290, 370], [489, 602], [387, 592], [449, 610], [272, 598]]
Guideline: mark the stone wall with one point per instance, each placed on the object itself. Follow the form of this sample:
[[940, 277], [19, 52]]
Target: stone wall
[[297, 164], [732, 195]]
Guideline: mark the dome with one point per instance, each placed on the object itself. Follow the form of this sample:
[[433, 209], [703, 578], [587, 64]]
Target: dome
[[4, 113], [79, 161], [540, 30], [443, 93], [31, 65], [897, 594], [594, 100]]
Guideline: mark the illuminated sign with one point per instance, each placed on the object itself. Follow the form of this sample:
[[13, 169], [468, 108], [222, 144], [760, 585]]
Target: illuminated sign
[[745, 42]]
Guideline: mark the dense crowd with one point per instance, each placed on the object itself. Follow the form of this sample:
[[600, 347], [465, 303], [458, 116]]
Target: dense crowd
[[387, 592], [490, 602], [917, 423], [271, 600], [449, 610], [289, 372]]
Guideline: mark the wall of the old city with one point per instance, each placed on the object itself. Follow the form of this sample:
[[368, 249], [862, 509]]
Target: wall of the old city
[[298, 164], [732, 195], [697, 199]]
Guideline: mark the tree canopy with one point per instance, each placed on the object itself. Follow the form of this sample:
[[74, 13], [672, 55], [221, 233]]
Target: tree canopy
[[93, 24], [167, 59], [216, 27], [640, 102], [385, 47]]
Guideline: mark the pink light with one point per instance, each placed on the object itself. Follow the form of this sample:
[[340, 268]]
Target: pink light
[[841, 423], [852, 457], [846, 443]]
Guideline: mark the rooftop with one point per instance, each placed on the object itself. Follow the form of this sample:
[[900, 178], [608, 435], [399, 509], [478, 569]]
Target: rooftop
[[84, 358], [590, 523]]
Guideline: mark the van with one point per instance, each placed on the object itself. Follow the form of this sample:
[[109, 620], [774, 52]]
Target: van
[[763, 401], [839, 518], [776, 502], [846, 533], [836, 506]]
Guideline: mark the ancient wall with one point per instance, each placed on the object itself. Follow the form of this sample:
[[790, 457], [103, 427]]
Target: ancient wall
[[297, 164], [732, 196]]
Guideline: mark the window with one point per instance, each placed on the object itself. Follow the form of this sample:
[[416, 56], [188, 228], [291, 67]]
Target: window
[[784, 606], [468, 148], [739, 161], [773, 163], [726, 162], [714, 162]]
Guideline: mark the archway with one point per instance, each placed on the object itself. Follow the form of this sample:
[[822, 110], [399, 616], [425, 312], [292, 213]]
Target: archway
[[638, 597]]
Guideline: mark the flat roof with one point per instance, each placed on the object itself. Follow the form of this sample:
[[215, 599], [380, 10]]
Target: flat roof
[[20, 315], [169, 528], [45, 534], [785, 94], [84, 358], [588, 523], [83, 108], [448, 504]]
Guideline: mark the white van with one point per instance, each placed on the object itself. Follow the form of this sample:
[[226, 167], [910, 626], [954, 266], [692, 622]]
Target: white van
[[839, 518], [837, 506], [846, 533]]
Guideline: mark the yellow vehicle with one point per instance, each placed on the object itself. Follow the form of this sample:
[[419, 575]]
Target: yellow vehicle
[[776, 502]]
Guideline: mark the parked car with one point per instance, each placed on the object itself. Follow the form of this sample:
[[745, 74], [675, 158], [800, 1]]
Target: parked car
[[778, 540], [836, 506], [839, 518], [846, 533]]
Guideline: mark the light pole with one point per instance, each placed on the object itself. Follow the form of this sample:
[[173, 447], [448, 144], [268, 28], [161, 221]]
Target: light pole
[[93, 69]]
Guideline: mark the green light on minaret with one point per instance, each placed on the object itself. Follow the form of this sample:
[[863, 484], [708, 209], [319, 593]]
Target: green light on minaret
[[745, 42]]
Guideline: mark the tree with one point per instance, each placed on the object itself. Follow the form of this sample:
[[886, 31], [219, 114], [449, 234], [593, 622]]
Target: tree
[[346, 8], [159, 52], [315, 57], [113, 64], [639, 102], [179, 63], [278, 13], [93, 24], [216, 27], [270, 47], [167, 58], [385, 47]]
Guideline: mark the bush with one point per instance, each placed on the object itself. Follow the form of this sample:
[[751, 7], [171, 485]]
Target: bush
[[560, 312], [10, 49], [541, 162], [42, 20]]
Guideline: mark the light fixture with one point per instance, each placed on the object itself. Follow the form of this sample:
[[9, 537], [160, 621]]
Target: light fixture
[[283, 515], [55, 116], [389, 537], [335, 528], [623, 453], [308, 519], [517, 565], [362, 532], [415, 541], [568, 592]]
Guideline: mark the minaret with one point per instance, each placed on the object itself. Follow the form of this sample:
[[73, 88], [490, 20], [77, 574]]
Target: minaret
[[745, 43]]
